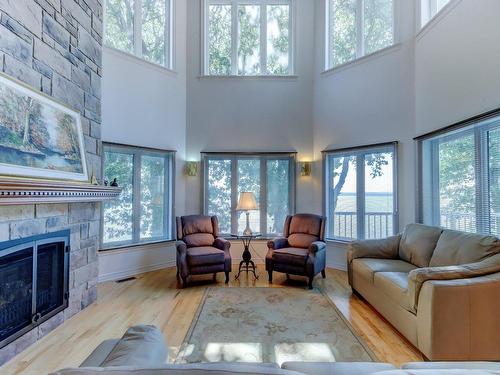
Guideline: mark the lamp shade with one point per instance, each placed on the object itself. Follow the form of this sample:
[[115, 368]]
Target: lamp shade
[[247, 202]]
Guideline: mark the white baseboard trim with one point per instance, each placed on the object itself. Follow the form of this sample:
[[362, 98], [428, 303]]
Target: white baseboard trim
[[113, 276]]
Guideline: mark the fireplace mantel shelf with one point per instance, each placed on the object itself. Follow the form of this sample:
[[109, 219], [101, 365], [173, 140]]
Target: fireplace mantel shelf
[[20, 191]]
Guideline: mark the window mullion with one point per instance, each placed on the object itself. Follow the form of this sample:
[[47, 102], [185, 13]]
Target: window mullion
[[167, 32], [263, 195], [234, 38], [138, 28], [263, 39], [360, 43], [360, 195], [234, 194], [482, 193], [136, 210]]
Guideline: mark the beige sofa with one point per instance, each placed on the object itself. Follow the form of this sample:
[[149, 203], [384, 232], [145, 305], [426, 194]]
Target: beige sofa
[[439, 288], [142, 351]]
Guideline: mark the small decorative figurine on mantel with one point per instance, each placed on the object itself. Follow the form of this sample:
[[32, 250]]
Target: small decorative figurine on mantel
[[114, 183]]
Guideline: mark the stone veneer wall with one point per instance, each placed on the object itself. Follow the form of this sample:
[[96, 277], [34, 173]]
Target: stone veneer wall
[[56, 46]]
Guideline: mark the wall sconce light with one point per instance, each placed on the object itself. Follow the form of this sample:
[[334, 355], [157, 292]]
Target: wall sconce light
[[191, 168], [305, 168]]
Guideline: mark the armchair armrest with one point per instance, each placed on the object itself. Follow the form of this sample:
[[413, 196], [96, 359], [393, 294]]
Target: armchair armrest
[[459, 318], [222, 244], [181, 247], [316, 246], [277, 243], [419, 276]]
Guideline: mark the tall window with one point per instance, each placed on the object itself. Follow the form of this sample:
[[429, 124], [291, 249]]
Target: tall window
[[356, 28], [248, 37], [143, 212], [271, 177], [429, 9], [360, 192], [140, 27], [460, 177]]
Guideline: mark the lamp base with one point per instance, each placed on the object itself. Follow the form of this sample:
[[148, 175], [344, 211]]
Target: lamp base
[[247, 231]]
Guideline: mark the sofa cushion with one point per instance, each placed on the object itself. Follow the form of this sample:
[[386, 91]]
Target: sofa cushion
[[337, 368], [455, 248], [301, 240], [395, 286], [368, 267], [305, 223], [141, 345], [418, 243], [291, 255], [472, 365], [98, 356], [190, 369], [199, 239], [204, 256]]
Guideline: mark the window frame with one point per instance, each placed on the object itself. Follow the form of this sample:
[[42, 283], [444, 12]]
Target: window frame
[[480, 132], [360, 152], [263, 157], [169, 197], [137, 34], [429, 9], [205, 70], [360, 47]]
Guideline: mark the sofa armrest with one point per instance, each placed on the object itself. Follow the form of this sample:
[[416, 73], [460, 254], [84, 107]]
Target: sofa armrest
[[317, 246], [419, 276], [458, 319], [222, 244], [277, 243], [385, 248]]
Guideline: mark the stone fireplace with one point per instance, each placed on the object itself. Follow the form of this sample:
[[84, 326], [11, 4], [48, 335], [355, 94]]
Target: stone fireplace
[[55, 46]]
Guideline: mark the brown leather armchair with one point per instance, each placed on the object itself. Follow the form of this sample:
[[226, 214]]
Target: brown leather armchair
[[302, 251], [199, 249]]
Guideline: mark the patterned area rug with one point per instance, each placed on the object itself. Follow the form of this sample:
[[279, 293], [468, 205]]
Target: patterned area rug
[[270, 325]]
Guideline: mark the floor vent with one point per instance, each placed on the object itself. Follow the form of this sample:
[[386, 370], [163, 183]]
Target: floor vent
[[127, 279]]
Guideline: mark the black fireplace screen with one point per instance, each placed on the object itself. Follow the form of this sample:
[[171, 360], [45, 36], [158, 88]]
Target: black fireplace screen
[[33, 282]]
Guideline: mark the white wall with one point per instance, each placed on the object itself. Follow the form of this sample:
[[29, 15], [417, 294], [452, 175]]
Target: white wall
[[367, 102], [457, 65], [145, 105], [251, 114]]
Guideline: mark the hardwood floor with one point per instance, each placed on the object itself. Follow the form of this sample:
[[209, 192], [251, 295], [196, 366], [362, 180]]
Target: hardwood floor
[[154, 298]]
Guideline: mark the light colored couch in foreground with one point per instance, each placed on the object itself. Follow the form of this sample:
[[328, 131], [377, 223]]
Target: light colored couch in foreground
[[142, 351], [439, 288]]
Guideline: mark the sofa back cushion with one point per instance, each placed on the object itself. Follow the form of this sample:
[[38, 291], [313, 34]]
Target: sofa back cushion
[[197, 230], [418, 243], [455, 248]]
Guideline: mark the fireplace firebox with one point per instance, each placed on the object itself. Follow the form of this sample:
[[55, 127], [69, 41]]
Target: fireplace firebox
[[34, 274]]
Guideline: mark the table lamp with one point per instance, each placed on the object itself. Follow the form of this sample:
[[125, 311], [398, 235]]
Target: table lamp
[[247, 203]]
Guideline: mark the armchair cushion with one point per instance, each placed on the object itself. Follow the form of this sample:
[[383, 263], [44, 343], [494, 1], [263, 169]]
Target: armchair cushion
[[305, 223], [302, 240], [455, 248], [199, 239], [204, 256], [291, 255], [418, 243], [419, 276]]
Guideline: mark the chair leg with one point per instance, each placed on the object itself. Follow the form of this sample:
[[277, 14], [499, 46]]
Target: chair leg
[[323, 273], [184, 282], [311, 282], [214, 277], [227, 277], [270, 272]]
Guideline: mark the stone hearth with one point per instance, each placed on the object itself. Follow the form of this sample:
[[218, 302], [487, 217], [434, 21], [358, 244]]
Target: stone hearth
[[55, 46]]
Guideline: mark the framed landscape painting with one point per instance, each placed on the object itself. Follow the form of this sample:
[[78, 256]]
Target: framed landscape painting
[[39, 137]]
